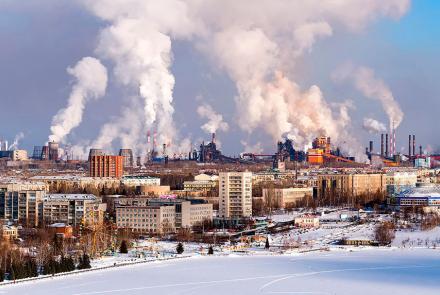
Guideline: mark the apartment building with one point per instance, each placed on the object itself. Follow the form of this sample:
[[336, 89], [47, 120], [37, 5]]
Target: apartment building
[[133, 181], [235, 195], [73, 209], [399, 181], [280, 197], [201, 183], [352, 184], [106, 166], [159, 216], [24, 206]]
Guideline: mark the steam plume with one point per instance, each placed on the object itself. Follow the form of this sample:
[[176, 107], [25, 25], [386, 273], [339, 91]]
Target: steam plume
[[256, 42], [91, 82], [17, 139], [215, 120], [372, 87], [373, 126]]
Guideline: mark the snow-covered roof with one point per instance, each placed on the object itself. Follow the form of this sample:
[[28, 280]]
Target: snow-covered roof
[[422, 191]]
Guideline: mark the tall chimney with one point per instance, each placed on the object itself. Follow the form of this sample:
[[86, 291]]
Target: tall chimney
[[386, 145], [421, 150], [409, 146], [371, 146], [414, 145], [213, 137], [381, 144]]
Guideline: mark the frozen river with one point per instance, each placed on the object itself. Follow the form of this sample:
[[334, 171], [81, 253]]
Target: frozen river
[[361, 272]]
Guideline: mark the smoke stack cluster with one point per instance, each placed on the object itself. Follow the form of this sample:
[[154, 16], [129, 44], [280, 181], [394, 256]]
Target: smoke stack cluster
[[381, 145], [386, 145]]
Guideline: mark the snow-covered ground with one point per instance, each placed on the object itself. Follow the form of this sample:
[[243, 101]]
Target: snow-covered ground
[[374, 271]]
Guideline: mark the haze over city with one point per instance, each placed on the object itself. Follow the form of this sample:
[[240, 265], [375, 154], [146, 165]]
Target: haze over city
[[219, 71]]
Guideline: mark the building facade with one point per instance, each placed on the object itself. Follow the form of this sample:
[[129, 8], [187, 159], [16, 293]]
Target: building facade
[[106, 166], [73, 209], [282, 197], [235, 195], [160, 216], [23, 206]]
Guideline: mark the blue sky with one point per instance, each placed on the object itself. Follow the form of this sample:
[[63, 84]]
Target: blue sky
[[39, 39]]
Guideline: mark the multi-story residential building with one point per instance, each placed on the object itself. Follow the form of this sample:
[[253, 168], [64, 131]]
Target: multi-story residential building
[[280, 197], [146, 219], [133, 181], [158, 216], [73, 209], [106, 166], [201, 182], [24, 206], [399, 181], [352, 184], [235, 195]]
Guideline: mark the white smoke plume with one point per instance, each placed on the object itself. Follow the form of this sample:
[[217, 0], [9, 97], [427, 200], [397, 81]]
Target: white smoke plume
[[256, 42], [372, 87], [215, 120], [91, 83], [373, 126], [252, 148], [17, 139]]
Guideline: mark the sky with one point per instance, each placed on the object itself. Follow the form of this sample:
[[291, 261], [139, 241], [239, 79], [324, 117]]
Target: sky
[[40, 39]]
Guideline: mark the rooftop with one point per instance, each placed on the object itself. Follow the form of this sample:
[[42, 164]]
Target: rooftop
[[70, 197]]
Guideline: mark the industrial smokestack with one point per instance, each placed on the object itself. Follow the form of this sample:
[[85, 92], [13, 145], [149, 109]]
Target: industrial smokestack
[[213, 137], [409, 146], [381, 144], [421, 150], [414, 145], [371, 146], [386, 145]]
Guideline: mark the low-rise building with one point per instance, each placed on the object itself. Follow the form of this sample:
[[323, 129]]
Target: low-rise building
[[9, 232], [307, 221], [426, 196]]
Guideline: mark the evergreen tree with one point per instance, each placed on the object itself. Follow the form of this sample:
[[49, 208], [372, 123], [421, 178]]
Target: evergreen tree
[[179, 248], [210, 250], [123, 248], [84, 262], [267, 246]]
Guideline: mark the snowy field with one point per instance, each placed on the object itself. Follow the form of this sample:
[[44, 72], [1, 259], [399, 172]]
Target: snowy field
[[373, 271]]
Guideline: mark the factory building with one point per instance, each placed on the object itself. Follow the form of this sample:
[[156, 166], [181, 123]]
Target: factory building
[[235, 195], [106, 166], [209, 152]]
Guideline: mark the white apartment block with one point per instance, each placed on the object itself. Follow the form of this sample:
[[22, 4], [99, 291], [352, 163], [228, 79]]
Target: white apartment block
[[235, 194], [158, 216], [140, 181]]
